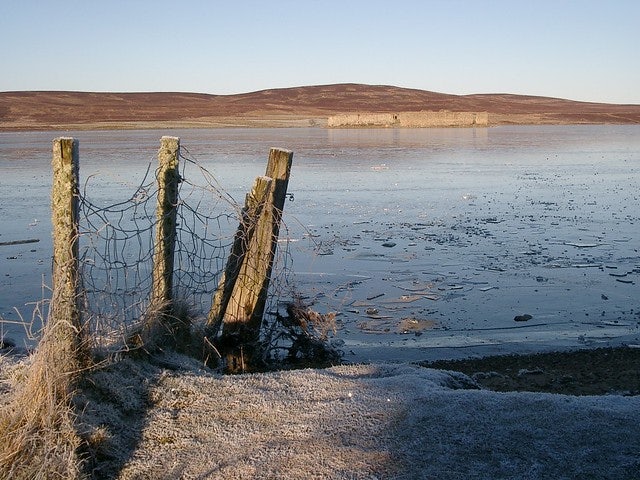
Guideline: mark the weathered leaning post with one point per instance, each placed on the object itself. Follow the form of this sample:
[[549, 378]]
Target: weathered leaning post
[[240, 298]]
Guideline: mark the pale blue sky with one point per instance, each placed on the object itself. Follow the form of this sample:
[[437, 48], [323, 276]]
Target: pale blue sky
[[576, 49]]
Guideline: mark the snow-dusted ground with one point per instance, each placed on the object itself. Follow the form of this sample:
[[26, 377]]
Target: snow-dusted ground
[[393, 421]]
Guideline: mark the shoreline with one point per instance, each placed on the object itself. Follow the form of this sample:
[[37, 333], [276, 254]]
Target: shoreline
[[587, 371], [284, 122]]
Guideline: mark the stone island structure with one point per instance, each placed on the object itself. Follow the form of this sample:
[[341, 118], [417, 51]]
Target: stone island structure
[[442, 118]]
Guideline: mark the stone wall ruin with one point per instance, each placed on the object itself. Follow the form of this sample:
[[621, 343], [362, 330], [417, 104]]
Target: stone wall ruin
[[423, 119]]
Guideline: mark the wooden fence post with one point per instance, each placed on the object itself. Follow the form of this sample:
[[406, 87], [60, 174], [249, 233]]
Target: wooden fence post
[[64, 323], [240, 299], [168, 178], [279, 169], [254, 203]]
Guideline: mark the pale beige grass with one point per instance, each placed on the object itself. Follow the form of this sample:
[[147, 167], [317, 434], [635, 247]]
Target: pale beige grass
[[37, 421], [171, 418], [334, 423], [377, 421]]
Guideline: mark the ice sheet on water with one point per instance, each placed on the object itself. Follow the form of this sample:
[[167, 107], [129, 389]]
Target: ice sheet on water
[[501, 207]]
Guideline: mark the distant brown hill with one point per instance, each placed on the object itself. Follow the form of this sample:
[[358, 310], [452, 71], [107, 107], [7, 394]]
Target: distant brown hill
[[298, 106]]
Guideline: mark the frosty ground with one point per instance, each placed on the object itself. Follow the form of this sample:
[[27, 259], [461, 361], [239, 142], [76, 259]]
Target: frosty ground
[[173, 418]]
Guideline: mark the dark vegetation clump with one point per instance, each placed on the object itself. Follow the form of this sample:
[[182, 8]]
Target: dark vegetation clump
[[305, 334], [299, 339], [592, 371]]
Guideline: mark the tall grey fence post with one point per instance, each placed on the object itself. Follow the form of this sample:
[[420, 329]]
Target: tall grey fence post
[[38, 429], [64, 322], [168, 178]]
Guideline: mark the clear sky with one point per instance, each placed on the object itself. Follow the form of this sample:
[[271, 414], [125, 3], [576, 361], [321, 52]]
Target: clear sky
[[575, 49]]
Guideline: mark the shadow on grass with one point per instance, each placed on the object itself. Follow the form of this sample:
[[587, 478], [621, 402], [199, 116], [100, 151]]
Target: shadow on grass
[[113, 403]]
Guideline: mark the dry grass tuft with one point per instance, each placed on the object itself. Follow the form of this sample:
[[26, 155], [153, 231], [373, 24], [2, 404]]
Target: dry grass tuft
[[164, 325], [38, 424]]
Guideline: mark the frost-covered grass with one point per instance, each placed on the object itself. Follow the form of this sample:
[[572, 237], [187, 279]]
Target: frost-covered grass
[[178, 420], [37, 421], [173, 418]]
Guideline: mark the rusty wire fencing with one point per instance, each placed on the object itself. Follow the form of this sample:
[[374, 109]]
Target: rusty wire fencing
[[118, 253]]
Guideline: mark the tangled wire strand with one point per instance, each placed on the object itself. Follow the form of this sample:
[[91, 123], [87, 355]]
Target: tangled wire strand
[[117, 249]]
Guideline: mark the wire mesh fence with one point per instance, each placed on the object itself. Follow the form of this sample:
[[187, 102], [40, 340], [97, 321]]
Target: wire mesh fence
[[117, 252]]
